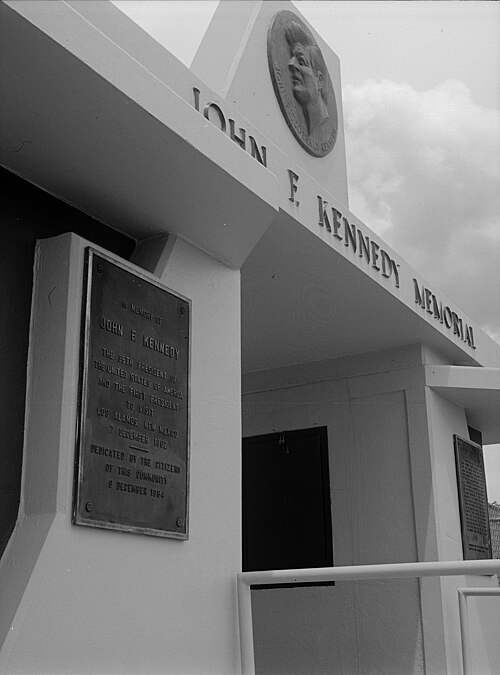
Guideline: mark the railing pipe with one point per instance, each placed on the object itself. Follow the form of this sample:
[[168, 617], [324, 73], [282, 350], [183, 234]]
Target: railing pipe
[[385, 571], [351, 573]]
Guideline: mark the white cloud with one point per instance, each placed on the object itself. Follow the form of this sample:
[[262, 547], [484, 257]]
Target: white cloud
[[424, 172]]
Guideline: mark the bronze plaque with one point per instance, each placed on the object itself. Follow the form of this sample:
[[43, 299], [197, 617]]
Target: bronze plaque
[[132, 469], [302, 83], [473, 500]]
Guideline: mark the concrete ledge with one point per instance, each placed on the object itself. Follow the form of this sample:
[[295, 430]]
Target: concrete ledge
[[475, 389]]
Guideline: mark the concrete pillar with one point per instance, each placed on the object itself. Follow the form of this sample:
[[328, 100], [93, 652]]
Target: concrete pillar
[[78, 599]]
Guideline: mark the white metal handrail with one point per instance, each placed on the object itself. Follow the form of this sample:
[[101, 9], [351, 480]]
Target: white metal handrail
[[356, 573]]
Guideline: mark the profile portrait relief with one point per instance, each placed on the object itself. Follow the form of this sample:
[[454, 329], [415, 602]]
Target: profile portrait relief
[[302, 83], [307, 69]]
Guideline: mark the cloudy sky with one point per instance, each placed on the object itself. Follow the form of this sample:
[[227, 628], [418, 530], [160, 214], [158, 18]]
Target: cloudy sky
[[421, 97]]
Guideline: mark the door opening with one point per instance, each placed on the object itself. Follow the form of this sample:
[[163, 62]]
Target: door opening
[[286, 501]]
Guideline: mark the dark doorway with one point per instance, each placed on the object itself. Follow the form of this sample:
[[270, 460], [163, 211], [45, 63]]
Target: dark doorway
[[286, 501]]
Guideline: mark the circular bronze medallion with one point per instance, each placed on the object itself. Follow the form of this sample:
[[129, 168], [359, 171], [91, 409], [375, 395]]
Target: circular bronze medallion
[[302, 83]]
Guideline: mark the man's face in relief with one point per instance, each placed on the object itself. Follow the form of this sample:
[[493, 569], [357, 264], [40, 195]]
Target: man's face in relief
[[306, 81]]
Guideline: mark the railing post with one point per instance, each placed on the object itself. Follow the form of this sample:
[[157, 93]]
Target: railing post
[[246, 627], [464, 630]]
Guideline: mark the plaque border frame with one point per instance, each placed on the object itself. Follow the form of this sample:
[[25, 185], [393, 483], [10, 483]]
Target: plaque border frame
[[79, 519], [463, 529]]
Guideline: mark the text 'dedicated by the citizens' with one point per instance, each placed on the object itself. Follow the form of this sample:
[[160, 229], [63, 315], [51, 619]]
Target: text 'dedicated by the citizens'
[[133, 470]]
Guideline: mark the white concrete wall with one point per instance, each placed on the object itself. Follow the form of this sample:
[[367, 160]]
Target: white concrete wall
[[394, 499], [353, 627], [85, 600]]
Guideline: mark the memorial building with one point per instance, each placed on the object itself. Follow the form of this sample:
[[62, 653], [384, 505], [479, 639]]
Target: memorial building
[[211, 366]]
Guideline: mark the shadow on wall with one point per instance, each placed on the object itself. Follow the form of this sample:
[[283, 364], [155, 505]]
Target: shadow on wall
[[28, 214]]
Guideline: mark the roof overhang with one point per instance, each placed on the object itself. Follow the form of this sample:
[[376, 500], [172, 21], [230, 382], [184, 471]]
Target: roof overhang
[[477, 390], [308, 297], [87, 121]]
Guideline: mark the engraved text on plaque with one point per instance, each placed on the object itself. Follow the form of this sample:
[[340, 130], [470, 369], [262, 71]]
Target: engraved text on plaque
[[473, 500], [132, 465]]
